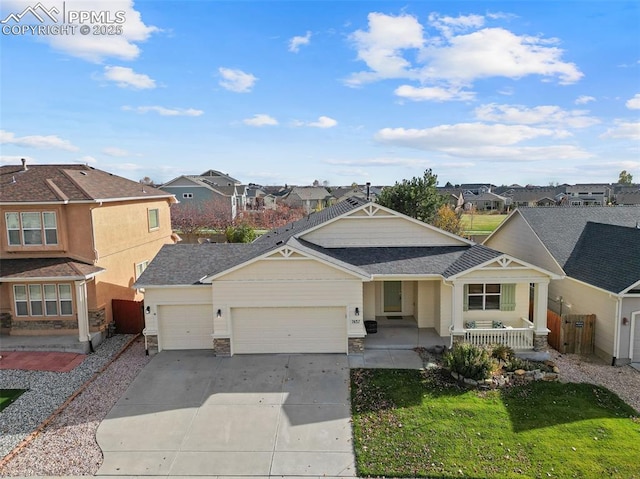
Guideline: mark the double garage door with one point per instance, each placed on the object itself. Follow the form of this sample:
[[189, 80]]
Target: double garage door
[[257, 330]]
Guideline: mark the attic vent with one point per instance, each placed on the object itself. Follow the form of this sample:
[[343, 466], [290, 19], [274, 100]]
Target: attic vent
[[278, 243], [84, 173]]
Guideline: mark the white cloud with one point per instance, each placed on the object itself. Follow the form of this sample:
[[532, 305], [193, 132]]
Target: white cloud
[[383, 162], [633, 103], [627, 130], [296, 42], [115, 151], [435, 93], [546, 115], [15, 160], [260, 119], [96, 48], [87, 160], [125, 77], [236, 80], [162, 111], [459, 52], [321, 122], [584, 99], [381, 47], [36, 141]]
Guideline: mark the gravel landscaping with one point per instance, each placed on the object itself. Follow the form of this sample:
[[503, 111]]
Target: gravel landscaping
[[67, 445]]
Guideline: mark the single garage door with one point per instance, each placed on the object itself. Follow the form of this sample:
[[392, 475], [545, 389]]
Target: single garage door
[[289, 330], [185, 326]]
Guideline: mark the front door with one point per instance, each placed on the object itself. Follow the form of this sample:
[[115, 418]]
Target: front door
[[392, 296]]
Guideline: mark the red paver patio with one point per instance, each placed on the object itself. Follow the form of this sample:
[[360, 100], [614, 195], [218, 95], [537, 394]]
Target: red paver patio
[[41, 360]]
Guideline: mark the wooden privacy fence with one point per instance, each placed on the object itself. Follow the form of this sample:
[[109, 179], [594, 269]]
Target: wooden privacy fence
[[128, 316], [571, 333]]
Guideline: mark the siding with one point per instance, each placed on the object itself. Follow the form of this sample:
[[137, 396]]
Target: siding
[[427, 302], [587, 300], [286, 269], [377, 231], [516, 238], [158, 296]]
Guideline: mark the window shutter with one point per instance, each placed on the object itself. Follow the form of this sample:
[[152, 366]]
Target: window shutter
[[508, 297], [465, 300]]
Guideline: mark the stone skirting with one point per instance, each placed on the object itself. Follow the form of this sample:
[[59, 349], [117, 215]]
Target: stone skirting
[[18, 325], [5, 322], [97, 320], [222, 346], [356, 345], [540, 342]]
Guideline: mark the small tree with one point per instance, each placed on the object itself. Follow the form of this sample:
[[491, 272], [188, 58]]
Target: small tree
[[418, 197], [625, 178], [242, 233], [448, 220]]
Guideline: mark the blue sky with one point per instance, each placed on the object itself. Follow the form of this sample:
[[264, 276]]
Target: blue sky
[[290, 92]]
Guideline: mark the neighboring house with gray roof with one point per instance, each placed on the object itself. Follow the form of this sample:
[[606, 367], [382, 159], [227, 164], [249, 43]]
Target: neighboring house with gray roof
[[74, 239], [309, 198], [212, 186], [597, 250], [309, 286]]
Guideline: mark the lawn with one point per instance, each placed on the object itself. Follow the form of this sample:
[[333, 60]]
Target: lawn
[[480, 223], [422, 424], [7, 396]]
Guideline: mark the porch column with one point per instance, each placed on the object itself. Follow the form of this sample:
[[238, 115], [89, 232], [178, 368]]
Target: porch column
[[81, 310], [540, 330], [457, 318]]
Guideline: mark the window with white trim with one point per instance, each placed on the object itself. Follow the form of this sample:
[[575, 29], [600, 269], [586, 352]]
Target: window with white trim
[[32, 228], [140, 267], [43, 300], [154, 219], [483, 297]]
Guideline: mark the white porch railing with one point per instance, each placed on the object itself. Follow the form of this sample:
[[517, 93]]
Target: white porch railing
[[516, 338]]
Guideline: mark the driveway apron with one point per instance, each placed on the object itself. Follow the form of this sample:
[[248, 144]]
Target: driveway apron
[[190, 413]]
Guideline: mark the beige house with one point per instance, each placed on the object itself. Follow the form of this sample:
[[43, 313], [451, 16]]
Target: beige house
[[74, 238], [310, 286], [596, 252]]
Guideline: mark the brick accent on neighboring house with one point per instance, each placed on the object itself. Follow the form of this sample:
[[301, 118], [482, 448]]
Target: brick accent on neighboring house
[[5, 321], [356, 345], [48, 325], [97, 319], [222, 346]]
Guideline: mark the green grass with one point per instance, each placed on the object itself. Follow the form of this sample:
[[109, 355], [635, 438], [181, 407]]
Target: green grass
[[422, 424], [480, 223], [7, 396]]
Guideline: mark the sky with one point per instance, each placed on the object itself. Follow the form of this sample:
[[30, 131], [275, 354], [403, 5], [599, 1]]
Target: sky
[[273, 92]]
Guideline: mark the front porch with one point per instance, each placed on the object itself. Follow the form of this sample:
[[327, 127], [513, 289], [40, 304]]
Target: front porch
[[403, 333]]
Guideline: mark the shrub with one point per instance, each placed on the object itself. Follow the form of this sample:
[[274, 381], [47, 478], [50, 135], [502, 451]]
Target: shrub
[[469, 361], [502, 352], [519, 363], [242, 233]]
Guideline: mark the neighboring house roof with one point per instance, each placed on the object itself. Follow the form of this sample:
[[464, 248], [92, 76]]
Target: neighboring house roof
[[488, 196], [309, 193], [606, 256], [219, 174], [13, 270], [628, 198], [583, 241], [192, 264], [68, 183]]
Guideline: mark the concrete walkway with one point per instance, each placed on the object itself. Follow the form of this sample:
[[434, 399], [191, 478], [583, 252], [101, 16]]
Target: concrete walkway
[[189, 413]]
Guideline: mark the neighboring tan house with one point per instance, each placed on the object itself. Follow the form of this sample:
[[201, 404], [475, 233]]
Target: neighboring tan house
[[598, 249], [309, 286], [74, 238], [309, 198], [229, 197], [588, 194], [487, 201]]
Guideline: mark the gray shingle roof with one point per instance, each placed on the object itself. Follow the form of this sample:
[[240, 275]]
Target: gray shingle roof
[[53, 268], [560, 228], [474, 256], [606, 256]]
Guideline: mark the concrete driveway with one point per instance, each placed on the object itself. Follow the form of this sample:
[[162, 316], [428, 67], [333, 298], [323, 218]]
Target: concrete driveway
[[189, 413]]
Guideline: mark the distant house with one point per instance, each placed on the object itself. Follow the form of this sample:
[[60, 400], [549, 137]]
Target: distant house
[[309, 198], [487, 201], [588, 195], [211, 185], [628, 198], [597, 251], [258, 199], [75, 238], [533, 196]]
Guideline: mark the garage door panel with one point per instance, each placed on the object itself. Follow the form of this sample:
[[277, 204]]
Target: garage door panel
[[289, 330], [186, 326]]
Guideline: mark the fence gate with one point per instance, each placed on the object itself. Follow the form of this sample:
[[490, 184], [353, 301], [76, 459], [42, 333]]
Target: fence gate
[[571, 333], [128, 316]]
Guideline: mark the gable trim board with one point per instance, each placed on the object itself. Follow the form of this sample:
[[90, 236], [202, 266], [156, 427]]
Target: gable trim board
[[511, 259]]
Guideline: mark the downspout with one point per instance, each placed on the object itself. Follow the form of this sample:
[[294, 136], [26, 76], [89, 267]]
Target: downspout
[[616, 334]]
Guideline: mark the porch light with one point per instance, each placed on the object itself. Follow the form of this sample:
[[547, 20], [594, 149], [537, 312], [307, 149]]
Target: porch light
[[147, 310], [219, 313], [357, 311]]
